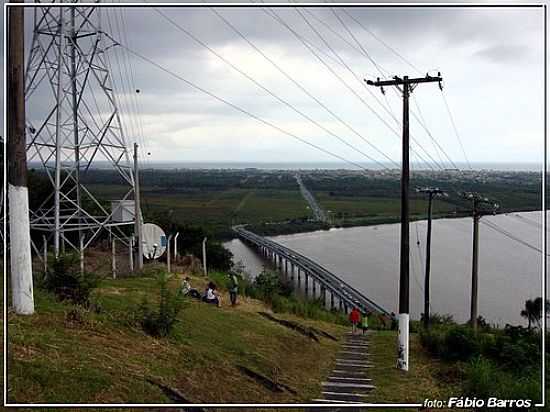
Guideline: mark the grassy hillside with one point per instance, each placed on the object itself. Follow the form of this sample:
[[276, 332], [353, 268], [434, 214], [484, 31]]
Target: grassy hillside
[[54, 357], [65, 355]]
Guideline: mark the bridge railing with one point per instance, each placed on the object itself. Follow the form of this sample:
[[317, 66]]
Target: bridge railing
[[327, 279]]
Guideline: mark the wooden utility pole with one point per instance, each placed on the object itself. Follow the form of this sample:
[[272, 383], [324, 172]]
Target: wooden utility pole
[[432, 192], [137, 211], [19, 223], [477, 212], [406, 85]]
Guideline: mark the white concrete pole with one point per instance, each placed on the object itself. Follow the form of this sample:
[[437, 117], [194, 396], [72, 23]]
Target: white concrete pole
[[114, 257], [204, 257], [131, 253], [168, 253], [18, 202], [81, 249], [45, 253], [176, 245]]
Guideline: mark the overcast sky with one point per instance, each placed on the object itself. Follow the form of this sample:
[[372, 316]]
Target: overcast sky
[[491, 60]]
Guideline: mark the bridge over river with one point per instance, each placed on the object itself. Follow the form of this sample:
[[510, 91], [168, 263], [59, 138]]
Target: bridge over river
[[309, 276]]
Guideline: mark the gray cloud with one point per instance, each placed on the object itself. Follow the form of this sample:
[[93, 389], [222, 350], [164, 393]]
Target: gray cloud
[[476, 49], [504, 53]]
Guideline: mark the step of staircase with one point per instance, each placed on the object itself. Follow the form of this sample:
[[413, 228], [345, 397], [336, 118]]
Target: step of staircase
[[349, 382]]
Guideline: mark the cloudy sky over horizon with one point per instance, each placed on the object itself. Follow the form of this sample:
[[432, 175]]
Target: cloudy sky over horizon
[[491, 60]]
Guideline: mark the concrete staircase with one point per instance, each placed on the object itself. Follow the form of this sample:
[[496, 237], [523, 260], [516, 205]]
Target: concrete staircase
[[349, 381]]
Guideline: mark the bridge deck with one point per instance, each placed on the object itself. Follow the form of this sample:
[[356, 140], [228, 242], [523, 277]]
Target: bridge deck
[[334, 284]]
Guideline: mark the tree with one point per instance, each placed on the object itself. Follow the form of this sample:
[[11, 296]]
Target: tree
[[533, 311]]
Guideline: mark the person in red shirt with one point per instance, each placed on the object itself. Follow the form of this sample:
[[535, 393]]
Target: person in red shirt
[[354, 318]]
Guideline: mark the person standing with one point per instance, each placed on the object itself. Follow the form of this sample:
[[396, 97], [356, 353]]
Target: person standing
[[365, 322], [354, 318], [233, 288]]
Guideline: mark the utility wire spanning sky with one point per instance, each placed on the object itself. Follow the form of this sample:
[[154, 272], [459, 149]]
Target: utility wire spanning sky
[[491, 60]]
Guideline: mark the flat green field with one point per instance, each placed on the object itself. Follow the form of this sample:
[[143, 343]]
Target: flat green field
[[363, 206], [218, 209]]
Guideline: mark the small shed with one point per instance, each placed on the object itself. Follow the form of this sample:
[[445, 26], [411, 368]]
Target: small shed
[[123, 210]]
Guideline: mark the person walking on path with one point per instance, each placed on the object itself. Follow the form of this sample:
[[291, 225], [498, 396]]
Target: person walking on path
[[233, 288], [354, 318]]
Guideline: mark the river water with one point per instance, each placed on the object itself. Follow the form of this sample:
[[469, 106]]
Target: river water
[[368, 259]]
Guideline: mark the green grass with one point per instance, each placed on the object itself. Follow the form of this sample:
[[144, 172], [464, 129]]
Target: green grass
[[426, 378], [105, 358]]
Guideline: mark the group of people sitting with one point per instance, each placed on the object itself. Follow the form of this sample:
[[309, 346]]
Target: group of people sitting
[[211, 294]]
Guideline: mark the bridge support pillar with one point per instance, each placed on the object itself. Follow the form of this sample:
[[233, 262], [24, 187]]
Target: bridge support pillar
[[306, 285], [331, 301], [324, 296], [286, 269], [314, 289], [292, 273], [299, 279], [340, 306]]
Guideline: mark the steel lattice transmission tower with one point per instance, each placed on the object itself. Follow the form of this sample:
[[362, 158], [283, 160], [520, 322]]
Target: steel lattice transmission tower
[[73, 121]]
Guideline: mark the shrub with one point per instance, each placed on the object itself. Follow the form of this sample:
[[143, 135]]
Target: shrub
[[433, 340], [484, 379], [65, 280], [269, 284], [461, 343], [160, 322]]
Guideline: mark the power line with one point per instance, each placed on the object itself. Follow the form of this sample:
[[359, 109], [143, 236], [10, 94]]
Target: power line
[[282, 71], [277, 18], [361, 48], [382, 42], [509, 235], [234, 106], [455, 129], [271, 93], [420, 120]]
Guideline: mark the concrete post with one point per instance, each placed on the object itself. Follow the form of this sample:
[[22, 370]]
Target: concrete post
[[81, 250], [331, 301], [45, 253], [113, 261], [131, 253], [168, 254], [306, 288]]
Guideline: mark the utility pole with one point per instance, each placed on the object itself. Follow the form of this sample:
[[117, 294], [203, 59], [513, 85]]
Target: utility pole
[[20, 238], [406, 85], [432, 192], [477, 201], [137, 211]]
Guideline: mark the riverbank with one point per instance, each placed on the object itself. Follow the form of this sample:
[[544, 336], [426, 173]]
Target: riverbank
[[295, 227]]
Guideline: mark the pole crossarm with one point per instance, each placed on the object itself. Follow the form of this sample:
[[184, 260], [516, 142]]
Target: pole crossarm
[[398, 81]]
